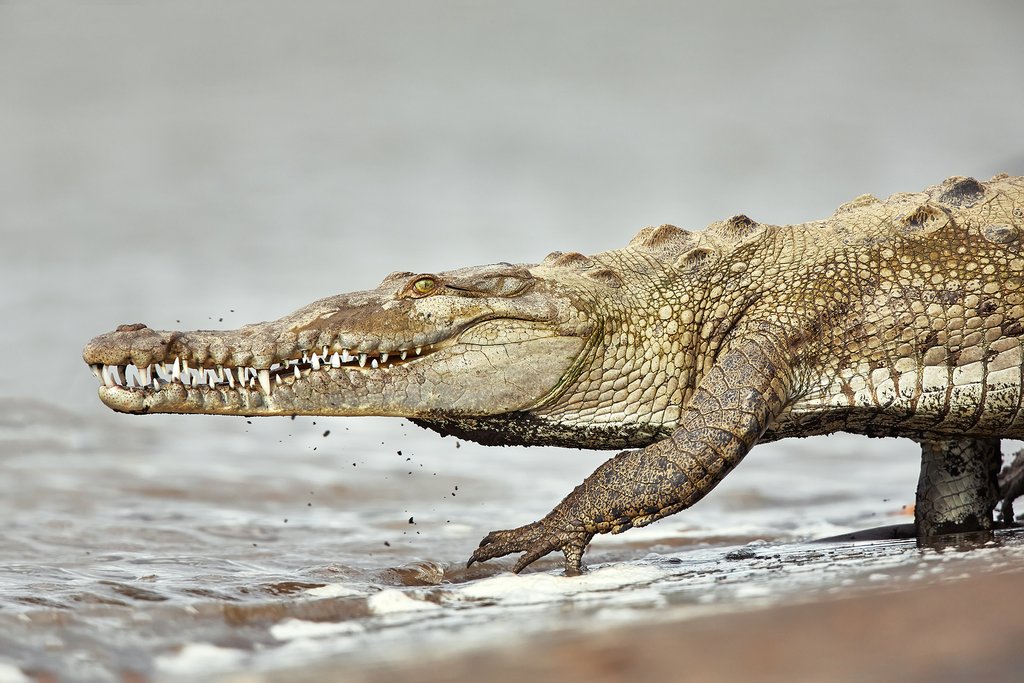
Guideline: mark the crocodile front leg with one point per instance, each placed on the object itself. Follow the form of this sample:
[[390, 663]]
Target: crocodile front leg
[[957, 490], [730, 409]]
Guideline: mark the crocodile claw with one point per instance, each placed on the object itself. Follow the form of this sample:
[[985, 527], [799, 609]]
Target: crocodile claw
[[535, 540]]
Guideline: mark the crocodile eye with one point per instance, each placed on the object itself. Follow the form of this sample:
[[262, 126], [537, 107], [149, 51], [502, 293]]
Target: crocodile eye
[[424, 286]]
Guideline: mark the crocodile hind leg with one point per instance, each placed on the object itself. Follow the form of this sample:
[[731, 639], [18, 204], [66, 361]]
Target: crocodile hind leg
[[1011, 486], [958, 490]]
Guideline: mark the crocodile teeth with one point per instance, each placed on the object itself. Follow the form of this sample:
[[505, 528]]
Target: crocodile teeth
[[155, 376]]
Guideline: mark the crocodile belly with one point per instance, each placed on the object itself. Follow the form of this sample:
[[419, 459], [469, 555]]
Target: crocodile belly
[[979, 395]]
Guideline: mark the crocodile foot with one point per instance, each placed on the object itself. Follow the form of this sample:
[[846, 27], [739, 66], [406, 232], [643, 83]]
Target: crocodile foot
[[535, 540]]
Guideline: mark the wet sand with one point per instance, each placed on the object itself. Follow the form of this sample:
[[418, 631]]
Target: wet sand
[[969, 629]]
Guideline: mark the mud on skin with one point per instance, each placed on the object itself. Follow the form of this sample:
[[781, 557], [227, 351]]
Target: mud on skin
[[896, 317]]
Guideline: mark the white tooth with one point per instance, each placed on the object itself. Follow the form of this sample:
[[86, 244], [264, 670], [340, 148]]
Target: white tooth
[[264, 377], [184, 366], [374, 364], [345, 358], [252, 382], [105, 376], [230, 377], [325, 353], [115, 373], [404, 354], [278, 378], [305, 358], [162, 373], [315, 362], [146, 375], [362, 360], [212, 378], [186, 379], [275, 366], [220, 373], [295, 369], [156, 384], [241, 375], [176, 369], [383, 358], [419, 350], [335, 361], [198, 377]]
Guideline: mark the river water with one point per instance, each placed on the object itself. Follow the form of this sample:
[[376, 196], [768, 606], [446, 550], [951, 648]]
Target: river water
[[196, 169]]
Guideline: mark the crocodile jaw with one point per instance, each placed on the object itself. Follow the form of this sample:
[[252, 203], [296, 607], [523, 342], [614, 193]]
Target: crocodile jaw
[[456, 380]]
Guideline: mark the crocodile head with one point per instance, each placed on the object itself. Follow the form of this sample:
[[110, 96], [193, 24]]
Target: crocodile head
[[475, 342]]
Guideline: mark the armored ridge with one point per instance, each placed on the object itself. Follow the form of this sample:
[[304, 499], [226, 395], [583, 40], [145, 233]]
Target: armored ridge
[[900, 317]]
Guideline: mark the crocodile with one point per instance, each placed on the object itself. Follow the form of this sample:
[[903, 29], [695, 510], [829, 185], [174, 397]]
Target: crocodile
[[901, 317]]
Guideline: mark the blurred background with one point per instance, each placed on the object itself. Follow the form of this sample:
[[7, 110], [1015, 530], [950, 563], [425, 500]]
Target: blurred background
[[197, 165]]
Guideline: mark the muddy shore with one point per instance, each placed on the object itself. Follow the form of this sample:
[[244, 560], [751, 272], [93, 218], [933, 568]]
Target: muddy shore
[[969, 629]]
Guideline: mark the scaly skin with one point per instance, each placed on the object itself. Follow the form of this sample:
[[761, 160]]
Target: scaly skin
[[901, 317]]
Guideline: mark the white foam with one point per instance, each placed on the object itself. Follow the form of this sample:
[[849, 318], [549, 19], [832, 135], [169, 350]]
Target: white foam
[[752, 591], [290, 629], [333, 590], [392, 601], [536, 588], [12, 674], [199, 658]]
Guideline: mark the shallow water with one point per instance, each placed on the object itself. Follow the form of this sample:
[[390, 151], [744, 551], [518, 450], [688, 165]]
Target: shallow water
[[189, 169], [178, 547]]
